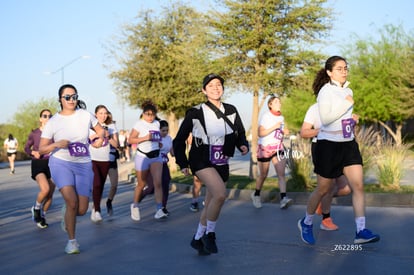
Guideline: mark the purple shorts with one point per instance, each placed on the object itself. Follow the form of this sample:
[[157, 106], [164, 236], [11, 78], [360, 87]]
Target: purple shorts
[[78, 175], [143, 163]]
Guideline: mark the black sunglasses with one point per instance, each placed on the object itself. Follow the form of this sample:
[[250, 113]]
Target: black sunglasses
[[69, 97], [46, 116]]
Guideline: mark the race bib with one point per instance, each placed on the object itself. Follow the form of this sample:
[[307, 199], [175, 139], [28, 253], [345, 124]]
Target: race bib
[[347, 127], [216, 155], [164, 157], [78, 149], [155, 135], [279, 139]]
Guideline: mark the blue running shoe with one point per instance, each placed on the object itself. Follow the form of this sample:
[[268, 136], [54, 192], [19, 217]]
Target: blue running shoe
[[366, 236], [306, 232]]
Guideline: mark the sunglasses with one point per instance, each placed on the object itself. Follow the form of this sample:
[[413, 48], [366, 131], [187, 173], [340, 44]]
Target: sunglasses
[[46, 116], [69, 97]]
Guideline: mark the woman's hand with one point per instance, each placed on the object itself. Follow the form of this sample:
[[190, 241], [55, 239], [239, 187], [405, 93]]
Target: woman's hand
[[244, 150], [185, 171]]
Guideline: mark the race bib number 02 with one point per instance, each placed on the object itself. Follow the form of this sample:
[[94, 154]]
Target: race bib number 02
[[78, 149], [216, 155], [347, 127]]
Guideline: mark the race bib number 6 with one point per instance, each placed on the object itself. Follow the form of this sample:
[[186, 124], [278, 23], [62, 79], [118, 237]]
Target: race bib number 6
[[78, 149]]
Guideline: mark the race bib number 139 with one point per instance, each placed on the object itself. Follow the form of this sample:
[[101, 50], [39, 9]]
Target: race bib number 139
[[78, 149]]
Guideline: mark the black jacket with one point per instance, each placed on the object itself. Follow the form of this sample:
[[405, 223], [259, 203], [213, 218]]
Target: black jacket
[[194, 122]]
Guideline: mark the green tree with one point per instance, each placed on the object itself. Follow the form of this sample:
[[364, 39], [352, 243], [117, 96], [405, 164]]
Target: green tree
[[382, 77], [164, 59], [26, 119], [266, 44]]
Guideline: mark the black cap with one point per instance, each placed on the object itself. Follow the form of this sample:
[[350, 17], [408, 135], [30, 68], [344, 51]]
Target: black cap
[[210, 77]]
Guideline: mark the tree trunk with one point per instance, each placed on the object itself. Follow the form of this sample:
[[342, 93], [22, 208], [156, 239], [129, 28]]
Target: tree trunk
[[254, 133], [397, 135], [173, 129]]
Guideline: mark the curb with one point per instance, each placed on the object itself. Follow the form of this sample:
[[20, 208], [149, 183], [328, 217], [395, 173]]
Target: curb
[[371, 199]]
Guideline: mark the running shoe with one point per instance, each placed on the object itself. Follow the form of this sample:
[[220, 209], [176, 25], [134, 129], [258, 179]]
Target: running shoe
[[72, 247], [256, 200], [318, 210], [42, 224], [109, 208], [209, 242], [36, 215], [194, 207], [198, 245], [327, 224], [135, 213], [285, 202], [366, 236], [96, 216], [166, 212], [160, 214], [306, 232]]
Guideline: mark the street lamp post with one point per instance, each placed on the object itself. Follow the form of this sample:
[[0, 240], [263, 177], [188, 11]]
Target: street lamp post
[[62, 69]]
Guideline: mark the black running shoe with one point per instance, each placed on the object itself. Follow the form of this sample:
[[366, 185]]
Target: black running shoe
[[198, 245], [194, 207], [36, 215], [109, 208], [209, 242], [166, 212], [42, 223]]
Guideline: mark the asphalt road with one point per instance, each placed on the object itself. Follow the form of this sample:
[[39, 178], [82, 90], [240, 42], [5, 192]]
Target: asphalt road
[[250, 241]]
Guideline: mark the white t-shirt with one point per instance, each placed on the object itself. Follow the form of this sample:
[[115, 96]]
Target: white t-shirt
[[11, 145], [143, 128], [166, 147], [267, 121], [102, 153], [74, 128], [312, 117]]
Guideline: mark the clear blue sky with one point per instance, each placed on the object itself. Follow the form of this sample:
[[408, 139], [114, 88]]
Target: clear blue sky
[[44, 35]]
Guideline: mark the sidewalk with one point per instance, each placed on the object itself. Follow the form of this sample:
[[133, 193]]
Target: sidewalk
[[250, 240]]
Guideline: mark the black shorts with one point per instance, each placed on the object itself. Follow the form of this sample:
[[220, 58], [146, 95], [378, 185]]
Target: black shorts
[[113, 164], [331, 157], [40, 166], [278, 154], [10, 154], [223, 170]]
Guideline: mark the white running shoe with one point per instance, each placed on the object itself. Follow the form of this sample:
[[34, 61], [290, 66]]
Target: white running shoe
[[285, 202], [135, 213], [256, 200], [96, 216], [160, 214], [72, 247]]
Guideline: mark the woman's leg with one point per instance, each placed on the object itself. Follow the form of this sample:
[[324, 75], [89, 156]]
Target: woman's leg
[[72, 208], [354, 174], [215, 194], [263, 172], [113, 178], [156, 173]]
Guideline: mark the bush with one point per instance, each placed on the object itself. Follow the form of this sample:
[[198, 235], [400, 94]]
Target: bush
[[390, 164]]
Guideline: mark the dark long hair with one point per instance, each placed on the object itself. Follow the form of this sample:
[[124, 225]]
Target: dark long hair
[[60, 92], [322, 77]]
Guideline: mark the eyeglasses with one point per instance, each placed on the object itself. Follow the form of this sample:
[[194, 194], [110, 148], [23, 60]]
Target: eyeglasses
[[69, 97], [149, 114], [46, 116], [342, 69]]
